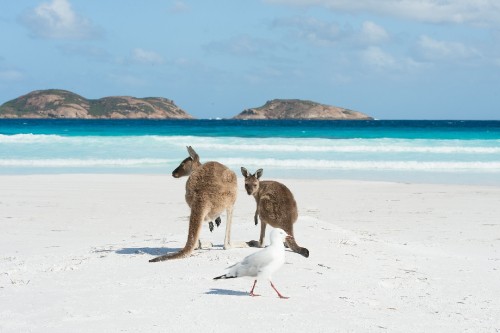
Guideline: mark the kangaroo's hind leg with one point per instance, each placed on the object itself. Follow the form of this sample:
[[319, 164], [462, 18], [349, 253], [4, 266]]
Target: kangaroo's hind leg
[[229, 221]]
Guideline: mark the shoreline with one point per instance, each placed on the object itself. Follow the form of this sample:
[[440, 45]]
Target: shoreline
[[437, 178], [385, 257]]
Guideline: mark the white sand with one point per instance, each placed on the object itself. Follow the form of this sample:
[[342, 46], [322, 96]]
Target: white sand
[[385, 257]]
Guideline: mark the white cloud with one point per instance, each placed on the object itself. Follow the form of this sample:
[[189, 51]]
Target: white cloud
[[372, 33], [58, 20], [243, 45], [87, 51], [313, 30], [246, 46], [147, 57], [431, 49], [375, 57], [435, 11], [179, 7], [324, 33]]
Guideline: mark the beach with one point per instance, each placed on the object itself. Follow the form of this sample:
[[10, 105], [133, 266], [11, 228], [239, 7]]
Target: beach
[[382, 120], [385, 257]]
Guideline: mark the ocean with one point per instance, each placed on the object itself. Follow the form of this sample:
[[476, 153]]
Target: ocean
[[463, 152]]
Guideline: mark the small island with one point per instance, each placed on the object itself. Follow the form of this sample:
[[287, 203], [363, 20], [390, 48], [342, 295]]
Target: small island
[[55, 103], [300, 109]]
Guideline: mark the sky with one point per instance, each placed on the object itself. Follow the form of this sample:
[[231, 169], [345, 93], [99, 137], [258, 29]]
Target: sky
[[390, 59]]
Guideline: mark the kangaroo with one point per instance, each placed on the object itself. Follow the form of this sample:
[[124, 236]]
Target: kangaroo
[[275, 206], [210, 189]]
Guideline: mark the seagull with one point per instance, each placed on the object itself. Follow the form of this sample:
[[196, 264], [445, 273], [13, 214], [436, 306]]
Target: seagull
[[261, 264]]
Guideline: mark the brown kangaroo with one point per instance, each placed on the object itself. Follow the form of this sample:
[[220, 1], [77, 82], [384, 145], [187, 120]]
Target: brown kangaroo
[[275, 206], [210, 189]]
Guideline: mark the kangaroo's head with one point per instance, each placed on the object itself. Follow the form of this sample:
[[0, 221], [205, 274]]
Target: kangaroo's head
[[188, 165], [251, 181]]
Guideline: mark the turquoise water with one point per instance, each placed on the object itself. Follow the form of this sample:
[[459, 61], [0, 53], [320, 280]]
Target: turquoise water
[[423, 151]]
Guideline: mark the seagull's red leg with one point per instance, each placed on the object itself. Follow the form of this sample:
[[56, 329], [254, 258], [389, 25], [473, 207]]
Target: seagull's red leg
[[253, 287], [281, 296]]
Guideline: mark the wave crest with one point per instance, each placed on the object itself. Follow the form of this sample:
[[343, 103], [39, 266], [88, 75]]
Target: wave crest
[[308, 164], [392, 146], [51, 163]]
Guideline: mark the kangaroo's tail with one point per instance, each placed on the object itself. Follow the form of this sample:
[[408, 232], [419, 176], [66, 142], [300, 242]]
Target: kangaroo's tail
[[195, 223]]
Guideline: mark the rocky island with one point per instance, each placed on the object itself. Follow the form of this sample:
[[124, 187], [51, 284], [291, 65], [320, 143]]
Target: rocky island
[[54, 103], [300, 109]]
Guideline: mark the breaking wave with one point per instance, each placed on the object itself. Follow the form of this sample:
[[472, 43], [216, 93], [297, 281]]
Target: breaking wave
[[50, 163], [394, 146], [236, 163], [365, 165]]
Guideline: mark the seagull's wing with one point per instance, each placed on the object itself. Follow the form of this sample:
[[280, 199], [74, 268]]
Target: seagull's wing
[[252, 264]]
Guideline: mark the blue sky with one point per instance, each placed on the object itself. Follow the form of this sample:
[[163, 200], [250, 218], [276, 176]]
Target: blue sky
[[391, 59]]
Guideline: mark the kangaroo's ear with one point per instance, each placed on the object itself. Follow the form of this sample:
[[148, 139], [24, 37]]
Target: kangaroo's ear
[[259, 173], [244, 172], [193, 154]]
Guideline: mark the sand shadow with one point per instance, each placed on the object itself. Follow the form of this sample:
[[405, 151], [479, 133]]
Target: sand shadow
[[154, 251], [227, 292]]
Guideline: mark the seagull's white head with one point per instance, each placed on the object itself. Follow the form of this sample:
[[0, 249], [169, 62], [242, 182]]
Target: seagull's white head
[[279, 235]]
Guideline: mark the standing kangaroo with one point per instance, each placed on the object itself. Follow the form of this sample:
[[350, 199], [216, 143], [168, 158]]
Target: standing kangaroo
[[275, 206], [210, 189]]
